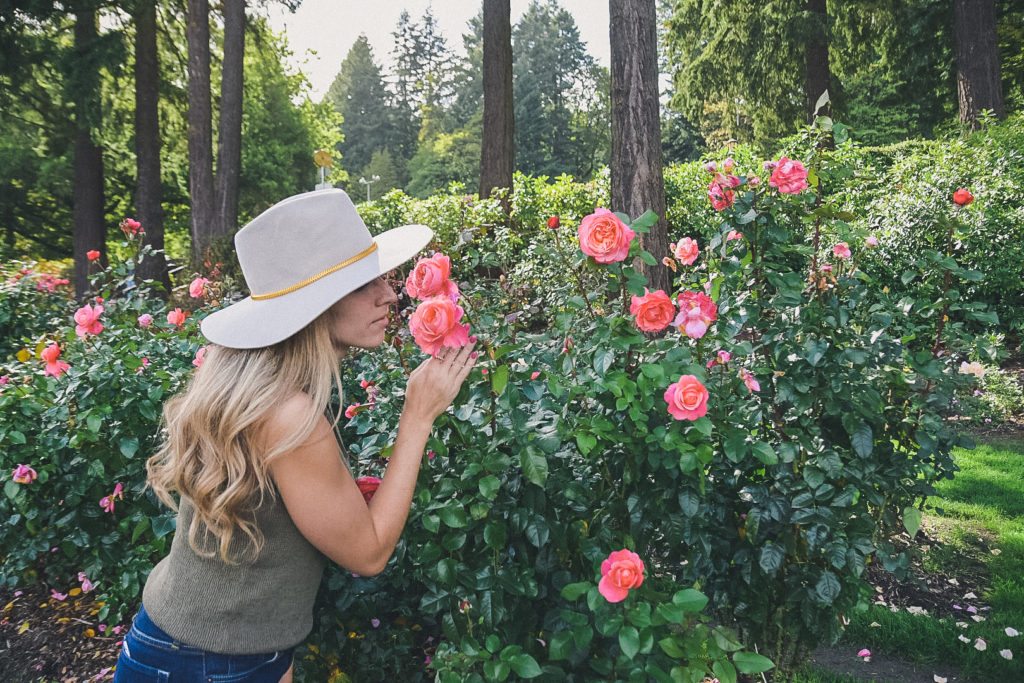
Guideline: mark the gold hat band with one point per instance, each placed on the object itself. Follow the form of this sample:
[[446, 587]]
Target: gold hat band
[[324, 273]]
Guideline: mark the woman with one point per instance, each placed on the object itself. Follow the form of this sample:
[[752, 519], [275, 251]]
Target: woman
[[264, 490]]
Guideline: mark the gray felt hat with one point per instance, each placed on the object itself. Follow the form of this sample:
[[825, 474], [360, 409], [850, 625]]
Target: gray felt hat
[[299, 257]]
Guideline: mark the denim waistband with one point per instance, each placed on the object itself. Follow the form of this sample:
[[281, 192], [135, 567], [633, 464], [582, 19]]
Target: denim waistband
[[154, 636]]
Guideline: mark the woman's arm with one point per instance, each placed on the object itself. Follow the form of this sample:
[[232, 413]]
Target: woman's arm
[[320, 494]]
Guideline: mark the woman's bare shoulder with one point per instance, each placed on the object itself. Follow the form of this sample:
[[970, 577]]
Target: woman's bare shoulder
[[281, 423]]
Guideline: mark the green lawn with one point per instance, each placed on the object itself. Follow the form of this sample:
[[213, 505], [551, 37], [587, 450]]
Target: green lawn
[[982, 525]]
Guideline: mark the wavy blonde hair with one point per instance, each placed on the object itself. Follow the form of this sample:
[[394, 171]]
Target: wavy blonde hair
[[211, 453]]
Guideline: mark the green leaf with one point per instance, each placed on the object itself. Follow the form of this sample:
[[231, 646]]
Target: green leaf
[[489, 486], [535, 465], [772, 556], [12, 488], [671, 648], [560, 646], [140, 528], [499, 378], [94, 423], [912, 520], [863, 440], [525, 666], [690, 599], [765, 453], [496, 671], [495, 534], [724, 671], [629, 641], [129, 446], [162, 525], [647, 258], [454, 515], [751, 662], [828, 588], [574, 591], [726, 640], [586, 442]]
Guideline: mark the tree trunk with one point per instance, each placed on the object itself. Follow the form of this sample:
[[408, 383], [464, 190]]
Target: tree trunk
[[636, 163], [149, 191], [229, 131], [200, 136], [88, 231], [978, 78], [497, 150], [819, 74]]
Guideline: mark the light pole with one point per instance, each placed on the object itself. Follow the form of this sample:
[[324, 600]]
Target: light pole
[[369, 182]]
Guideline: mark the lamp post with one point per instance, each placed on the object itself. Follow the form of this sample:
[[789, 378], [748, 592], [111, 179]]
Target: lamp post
[[369, 182]]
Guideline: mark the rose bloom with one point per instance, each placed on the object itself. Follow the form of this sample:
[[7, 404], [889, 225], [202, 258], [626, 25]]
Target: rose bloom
[[197, 287], [176, 317], [686, 251], [54, 367], [23, 474], [696, 312], [145, 320], [842, 250], [554, 222], [352, 410], [429, 278], [200, 356], [963, 197], [687, 399], [88, 320], [130, 226], [92, 255], [436, 323], [720, 197], [604, 237], [733, 235], [368, 487], [654, 310], [789, 176], [748, 379], [871, 241], [620, 573]]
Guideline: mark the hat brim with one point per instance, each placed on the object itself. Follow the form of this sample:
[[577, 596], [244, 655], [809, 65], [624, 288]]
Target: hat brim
[[251, 324]]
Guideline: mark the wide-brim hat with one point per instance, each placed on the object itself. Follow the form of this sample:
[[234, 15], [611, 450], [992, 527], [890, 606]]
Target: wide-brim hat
[[298, 258]]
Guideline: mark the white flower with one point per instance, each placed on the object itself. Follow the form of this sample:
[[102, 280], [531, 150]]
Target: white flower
[[963, 639], [973, 368], [980, 645], [1006, 654], [962, 624], [938, 679], [1012, 632]]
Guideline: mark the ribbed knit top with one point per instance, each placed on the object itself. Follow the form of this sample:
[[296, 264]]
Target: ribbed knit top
[[257, 605]]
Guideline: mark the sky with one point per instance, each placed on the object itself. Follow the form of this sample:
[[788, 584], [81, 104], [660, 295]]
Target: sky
[[321, 32]]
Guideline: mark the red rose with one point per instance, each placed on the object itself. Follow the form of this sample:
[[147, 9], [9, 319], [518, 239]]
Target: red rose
[[963, 197], [554, 222], [368, 487]]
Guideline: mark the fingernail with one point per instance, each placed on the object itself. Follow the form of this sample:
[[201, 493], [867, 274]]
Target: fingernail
[[472, 339], [473, 355]]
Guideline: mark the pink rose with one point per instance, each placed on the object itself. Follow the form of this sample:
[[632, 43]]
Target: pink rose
[[130, 226], [871, 241], [197, 287], [687, 399], [789, 176], [696, 312], [54, 367], [733, 235], [724, 357], [535, 374], [176, 317], [748, 379], [753, 181], [728, 165], [87, 585], [604, 237], [686, 251], [200, 356], [654, 310], [841, 250], [88, 320], [145, 320], [430, 278], [620, 573], [963, 197], [368, 486], [23, 474], [352, 410], [720, 197], [436, 323], [92, 254]]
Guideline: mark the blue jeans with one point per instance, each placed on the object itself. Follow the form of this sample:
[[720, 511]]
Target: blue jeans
[[151, 656]]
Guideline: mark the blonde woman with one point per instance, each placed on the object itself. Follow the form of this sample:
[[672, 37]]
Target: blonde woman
[[251, 462]]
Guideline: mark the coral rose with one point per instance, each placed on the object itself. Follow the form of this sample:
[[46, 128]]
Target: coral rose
[[92, 254], [654, 310], [620, 573], [176, 317], [54, 367], [430, 278], [686, 251], [687, 399], [789, 176], [88, 320], [197, 287], [696, 312], [963, 197], [720, 197], [436, 323], [368, 486], [604, 237]]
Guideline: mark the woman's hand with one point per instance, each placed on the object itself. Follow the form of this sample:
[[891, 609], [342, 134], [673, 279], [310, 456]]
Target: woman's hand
[[436, 382]]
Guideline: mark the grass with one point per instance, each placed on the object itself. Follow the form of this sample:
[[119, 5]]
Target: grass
[[980, 517]]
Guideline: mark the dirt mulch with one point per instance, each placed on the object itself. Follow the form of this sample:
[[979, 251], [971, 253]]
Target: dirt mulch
[[46, 639]]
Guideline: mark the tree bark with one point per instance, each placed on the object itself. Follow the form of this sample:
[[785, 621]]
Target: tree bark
[[636, 163], [149, 190], [88, 231], [200, 136], [819, 73], [978, 78], [229, 130], [497, 149]]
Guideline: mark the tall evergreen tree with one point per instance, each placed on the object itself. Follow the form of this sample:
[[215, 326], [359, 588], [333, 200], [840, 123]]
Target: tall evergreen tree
[[497, 149], [200, 131], [229, 128], [978, 77], [360, 95]]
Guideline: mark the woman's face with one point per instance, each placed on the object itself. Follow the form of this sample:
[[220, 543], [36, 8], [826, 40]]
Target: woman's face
[[360, 318]]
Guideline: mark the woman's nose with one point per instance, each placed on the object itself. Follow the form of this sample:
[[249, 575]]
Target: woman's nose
[[388, 294]]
